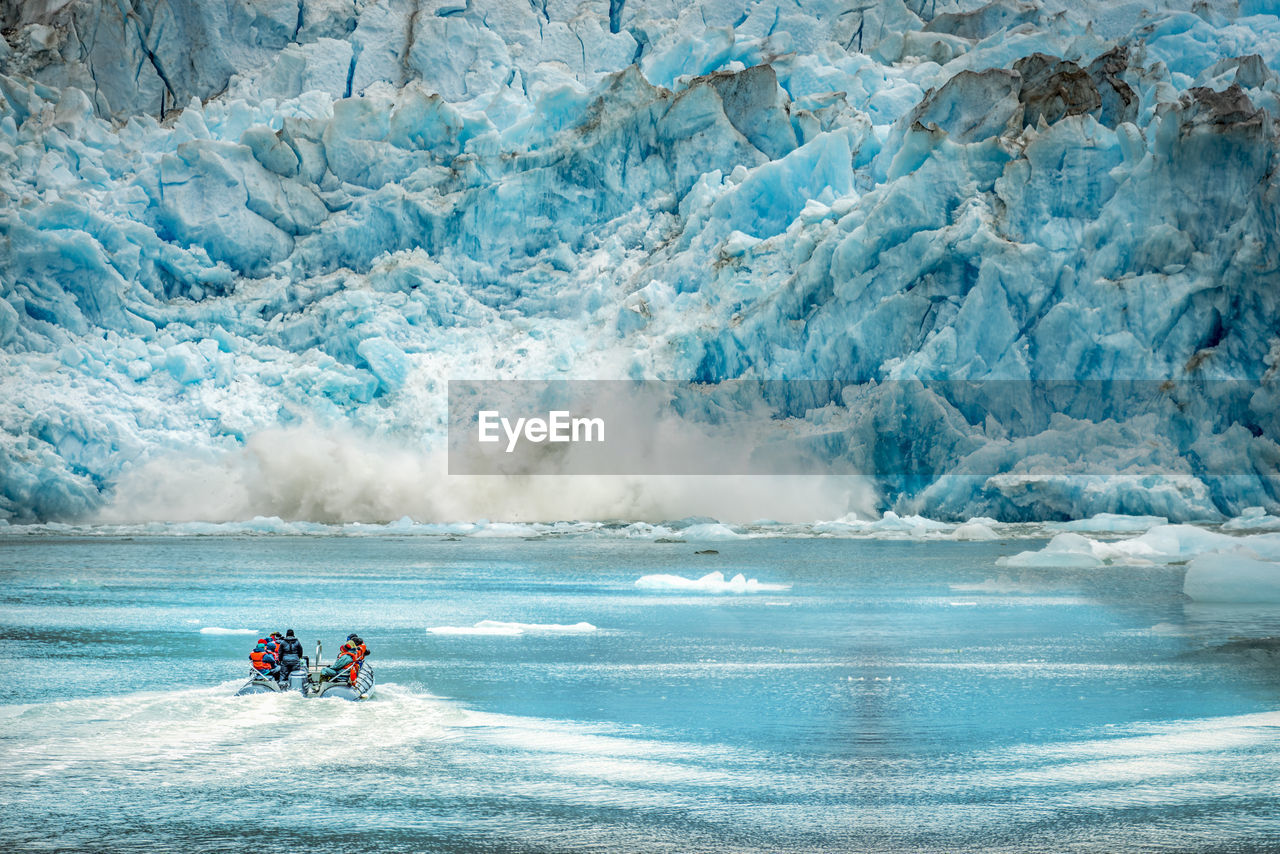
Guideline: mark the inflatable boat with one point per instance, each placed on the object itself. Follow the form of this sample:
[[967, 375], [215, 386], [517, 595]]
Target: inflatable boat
[[306, 680]]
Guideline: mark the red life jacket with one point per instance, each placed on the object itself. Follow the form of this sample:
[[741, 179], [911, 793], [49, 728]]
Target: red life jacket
[[258, 659], [352, 670]]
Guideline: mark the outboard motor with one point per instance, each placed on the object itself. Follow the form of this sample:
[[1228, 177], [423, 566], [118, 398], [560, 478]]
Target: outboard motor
[[297, 679]]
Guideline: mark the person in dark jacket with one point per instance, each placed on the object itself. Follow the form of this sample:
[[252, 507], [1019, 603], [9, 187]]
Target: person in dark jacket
[[290, 652]]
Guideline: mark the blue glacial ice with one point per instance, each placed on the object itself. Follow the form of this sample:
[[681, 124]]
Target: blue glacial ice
[[244, 245]]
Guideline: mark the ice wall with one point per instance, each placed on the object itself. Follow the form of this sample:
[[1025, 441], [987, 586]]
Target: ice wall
[[221, 219]]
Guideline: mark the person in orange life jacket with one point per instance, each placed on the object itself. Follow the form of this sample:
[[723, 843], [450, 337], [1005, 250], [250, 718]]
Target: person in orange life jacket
[[263, 662], [346, 666], [364, 650], [272, 643]]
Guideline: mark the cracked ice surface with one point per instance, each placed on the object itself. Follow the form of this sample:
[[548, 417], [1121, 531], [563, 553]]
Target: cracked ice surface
[[223, 220]]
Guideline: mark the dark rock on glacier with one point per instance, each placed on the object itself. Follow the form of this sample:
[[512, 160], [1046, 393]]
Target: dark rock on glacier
[[1052, 89], [984, 21]]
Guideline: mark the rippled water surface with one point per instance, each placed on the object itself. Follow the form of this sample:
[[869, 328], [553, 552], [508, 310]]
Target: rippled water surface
[[896, 696]]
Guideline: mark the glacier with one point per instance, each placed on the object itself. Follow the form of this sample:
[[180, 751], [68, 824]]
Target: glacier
[[244, 245]]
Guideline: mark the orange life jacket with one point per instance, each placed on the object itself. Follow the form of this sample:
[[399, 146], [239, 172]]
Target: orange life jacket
[[258, 659], [352, 670]]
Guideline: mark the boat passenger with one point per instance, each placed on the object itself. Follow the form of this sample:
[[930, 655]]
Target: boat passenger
[[264, 662], [290, 652], [363, 650], [346, 666]]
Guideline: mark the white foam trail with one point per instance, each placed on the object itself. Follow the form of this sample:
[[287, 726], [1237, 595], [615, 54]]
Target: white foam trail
[[218, 630], [499, 628], [712, 582]]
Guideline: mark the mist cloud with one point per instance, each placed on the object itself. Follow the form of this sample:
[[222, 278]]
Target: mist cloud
[[336, 475]]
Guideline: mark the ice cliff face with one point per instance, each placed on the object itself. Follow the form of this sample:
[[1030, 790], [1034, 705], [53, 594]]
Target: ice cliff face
[[221, 218]]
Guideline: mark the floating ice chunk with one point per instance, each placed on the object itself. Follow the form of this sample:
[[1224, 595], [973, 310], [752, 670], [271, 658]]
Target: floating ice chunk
[[1232, 577], [506, 629], [710, 531], [1162, 544], [1253, 519], [712, 582], [504, 529], [1067, 550], [218, 630], [1182, 542], [500, 628], [1109, 523], [974, 531], [916, 525]]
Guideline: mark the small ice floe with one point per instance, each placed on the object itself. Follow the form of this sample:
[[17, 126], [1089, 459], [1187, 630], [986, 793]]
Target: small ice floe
[[712, 582], [499, 628], [218, 630]]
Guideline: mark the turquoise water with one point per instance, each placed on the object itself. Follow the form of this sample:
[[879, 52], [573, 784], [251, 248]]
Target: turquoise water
[[897, 696]]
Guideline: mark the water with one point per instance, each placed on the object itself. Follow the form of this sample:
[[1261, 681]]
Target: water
[[898, 696]]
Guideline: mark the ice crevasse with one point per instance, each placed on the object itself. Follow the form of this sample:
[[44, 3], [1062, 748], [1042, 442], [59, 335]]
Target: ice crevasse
[[220, 219]]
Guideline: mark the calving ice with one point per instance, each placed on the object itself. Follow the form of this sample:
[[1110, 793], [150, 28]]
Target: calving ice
[[559, 426]]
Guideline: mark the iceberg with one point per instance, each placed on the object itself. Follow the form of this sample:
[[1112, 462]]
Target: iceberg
[[1234, 577], [226, 220]]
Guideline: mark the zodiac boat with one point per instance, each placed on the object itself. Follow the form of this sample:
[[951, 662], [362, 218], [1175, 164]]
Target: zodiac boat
[[305, 679]]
